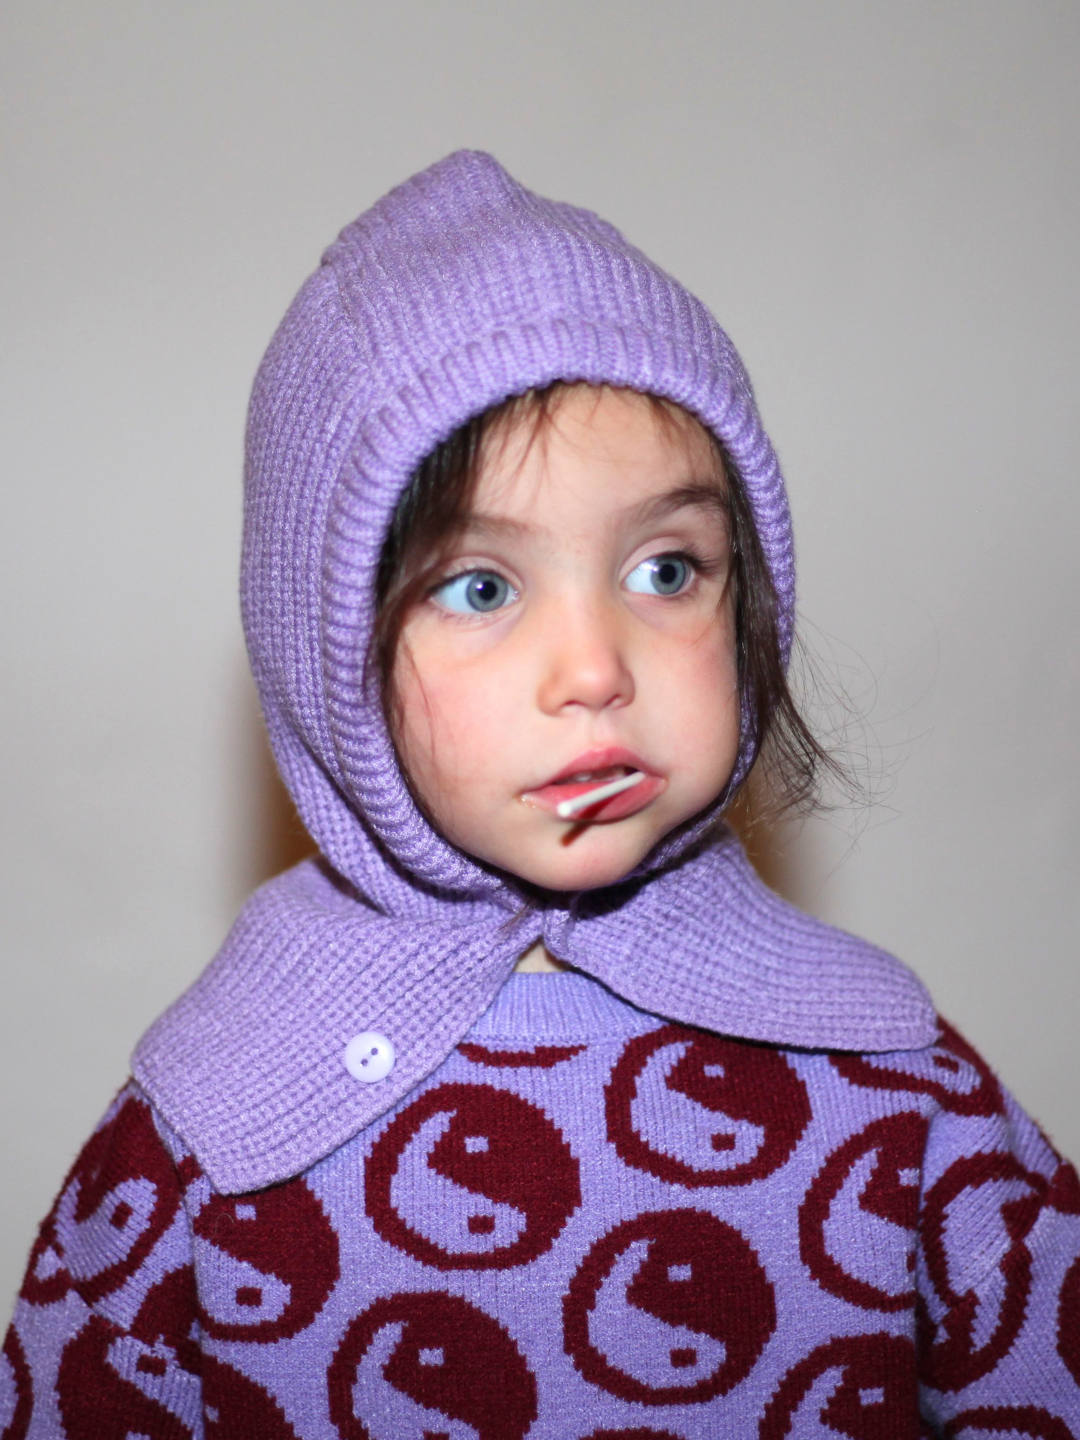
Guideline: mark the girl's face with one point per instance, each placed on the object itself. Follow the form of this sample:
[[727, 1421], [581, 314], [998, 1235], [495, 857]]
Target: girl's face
[[584, 627]]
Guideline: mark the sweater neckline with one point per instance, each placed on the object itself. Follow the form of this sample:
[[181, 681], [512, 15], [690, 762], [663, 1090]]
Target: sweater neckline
[[565, 1007]]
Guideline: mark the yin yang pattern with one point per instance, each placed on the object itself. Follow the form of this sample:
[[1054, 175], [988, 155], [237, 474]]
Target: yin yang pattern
[[1068, 1320], [16, 1389], [536, 1057], [415, 1365], [866, 1192], [236, 1407], [145, 1379], [254, 1286], [666, 1237], [966, 1330], [111, 1386], [470, 1177], [698, 1110], [638, 1433], [118, 1200], [957, 1076], [670, 1307], [1008, 1422], [863, 1387]]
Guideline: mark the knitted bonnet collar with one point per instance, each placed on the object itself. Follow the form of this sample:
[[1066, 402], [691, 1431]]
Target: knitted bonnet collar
[[458, 289]]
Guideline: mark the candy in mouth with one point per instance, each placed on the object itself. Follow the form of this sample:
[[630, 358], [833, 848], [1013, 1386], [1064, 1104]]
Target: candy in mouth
[[613, 787], [567, 809]]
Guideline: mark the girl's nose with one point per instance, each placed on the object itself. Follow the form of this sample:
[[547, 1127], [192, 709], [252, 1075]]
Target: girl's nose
[[584, 664]]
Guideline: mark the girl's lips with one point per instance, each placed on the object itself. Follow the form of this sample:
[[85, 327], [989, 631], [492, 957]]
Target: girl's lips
[[600, 766], [615, 807]]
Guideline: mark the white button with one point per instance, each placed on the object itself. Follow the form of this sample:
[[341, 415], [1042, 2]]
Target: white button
[[369, 1057]]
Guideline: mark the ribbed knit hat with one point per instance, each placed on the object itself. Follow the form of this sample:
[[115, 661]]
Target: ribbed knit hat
[[456, 290]]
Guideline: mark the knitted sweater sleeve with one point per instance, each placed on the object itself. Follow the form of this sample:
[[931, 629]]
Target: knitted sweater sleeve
[[104, 1343], [998, 1271]]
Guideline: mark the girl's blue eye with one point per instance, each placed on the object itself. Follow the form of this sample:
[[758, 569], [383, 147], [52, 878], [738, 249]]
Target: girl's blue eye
[[660, 575], [475, 592]]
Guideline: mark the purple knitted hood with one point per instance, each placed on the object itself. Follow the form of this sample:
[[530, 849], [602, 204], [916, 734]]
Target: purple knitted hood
[[457, 289]]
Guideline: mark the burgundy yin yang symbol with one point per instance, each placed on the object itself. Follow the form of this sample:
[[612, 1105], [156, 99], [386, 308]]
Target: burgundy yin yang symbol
[[235, 1405], [1008, 1422], [862, 1387], [638, 1432], [670, 1307], [266, 1262], [16, 1390], [537, 1057], [951, 1071], [984, 1204], [695, 1109], [1068, 1320], [411, 1365], [866, 1195], [154, 1380], [470, 1177], [144, 1380], [119, 1199]]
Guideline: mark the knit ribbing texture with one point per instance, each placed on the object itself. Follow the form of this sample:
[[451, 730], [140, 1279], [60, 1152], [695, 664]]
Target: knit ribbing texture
[[454, 291]]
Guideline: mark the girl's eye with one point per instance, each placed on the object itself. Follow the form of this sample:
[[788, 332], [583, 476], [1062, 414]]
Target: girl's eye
[[660, 575], [475, 592]]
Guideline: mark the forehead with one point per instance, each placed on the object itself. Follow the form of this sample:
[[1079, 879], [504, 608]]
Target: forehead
[[594, 448]]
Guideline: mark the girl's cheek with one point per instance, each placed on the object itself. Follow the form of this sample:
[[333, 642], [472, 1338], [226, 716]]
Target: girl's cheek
[[704, 674], [456, 730], [700, 654], [420, 736]]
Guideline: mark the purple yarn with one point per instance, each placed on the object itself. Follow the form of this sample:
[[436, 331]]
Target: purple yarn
[[458, 289]]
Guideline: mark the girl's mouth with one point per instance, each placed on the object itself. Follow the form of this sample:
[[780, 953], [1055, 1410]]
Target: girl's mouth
[[594, 771]]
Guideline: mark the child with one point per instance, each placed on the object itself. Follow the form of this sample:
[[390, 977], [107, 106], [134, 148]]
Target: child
[[518, 592]]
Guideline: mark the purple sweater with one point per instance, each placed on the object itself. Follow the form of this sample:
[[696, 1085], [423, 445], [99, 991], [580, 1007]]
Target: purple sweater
[[587, 1222]]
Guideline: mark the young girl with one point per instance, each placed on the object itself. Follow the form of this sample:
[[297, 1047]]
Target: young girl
[[518, 591]]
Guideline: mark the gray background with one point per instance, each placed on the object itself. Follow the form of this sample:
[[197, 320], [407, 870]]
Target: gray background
[[878, 199]]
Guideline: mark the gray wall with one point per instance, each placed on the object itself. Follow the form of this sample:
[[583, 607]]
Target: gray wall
[[879, 200]]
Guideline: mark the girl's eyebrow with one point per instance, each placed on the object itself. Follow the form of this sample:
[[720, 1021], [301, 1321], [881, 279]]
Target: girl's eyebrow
[[479, 523], [702, 494]]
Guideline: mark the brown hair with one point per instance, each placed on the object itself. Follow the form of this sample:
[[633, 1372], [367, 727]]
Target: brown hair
[[434, 508]]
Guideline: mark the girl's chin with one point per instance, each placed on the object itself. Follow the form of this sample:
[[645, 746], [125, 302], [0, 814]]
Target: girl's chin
[[591, 868]]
